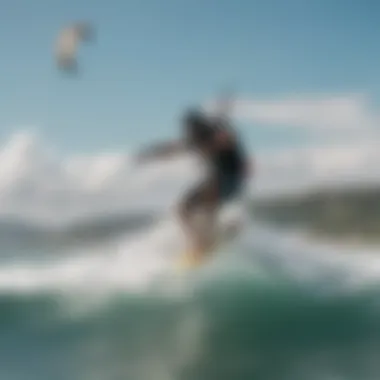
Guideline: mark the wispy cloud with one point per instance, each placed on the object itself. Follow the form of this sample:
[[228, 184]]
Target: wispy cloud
[[313, 112]]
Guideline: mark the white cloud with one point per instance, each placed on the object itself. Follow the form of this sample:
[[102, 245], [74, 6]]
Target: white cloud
[[328, 112], [331, 165], [33, 179]]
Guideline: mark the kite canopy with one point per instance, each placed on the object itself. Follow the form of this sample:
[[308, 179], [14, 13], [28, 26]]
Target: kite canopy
[[68, 44]]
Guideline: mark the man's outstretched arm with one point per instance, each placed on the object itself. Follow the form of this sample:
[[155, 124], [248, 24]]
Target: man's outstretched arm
[[161, 151]]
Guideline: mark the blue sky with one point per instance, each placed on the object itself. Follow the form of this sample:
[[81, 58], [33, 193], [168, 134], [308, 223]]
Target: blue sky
[[153, 58]]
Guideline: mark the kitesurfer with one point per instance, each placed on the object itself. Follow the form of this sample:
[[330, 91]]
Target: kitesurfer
[[218, 144]]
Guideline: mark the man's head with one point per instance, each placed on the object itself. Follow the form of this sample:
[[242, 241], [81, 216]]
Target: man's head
[[196, 126]]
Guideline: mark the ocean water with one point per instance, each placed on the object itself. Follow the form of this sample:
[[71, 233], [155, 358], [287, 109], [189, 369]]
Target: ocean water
[[263, 309], [88, 290]]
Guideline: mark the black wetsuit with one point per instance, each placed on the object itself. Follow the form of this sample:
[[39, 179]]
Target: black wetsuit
[[226, 167]]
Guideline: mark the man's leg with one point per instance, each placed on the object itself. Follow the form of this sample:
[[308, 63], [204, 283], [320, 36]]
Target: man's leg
[[204, 199], [208, 226], [186, 213]]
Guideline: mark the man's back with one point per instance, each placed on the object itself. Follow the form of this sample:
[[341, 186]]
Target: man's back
[[218, 144]]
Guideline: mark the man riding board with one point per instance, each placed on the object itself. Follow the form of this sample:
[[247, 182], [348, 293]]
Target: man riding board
[[217, 143]]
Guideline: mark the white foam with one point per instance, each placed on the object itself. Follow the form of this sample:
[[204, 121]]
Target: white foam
[[128, 263], [313, 261]]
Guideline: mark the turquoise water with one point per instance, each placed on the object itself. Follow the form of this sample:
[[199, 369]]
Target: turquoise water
[[243, 318]]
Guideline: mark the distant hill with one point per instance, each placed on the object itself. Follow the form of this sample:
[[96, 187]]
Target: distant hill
[[338, 213], [18, 233]]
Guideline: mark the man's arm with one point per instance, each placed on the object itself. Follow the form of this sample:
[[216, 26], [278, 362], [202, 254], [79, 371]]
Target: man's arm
[[161, 151]]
